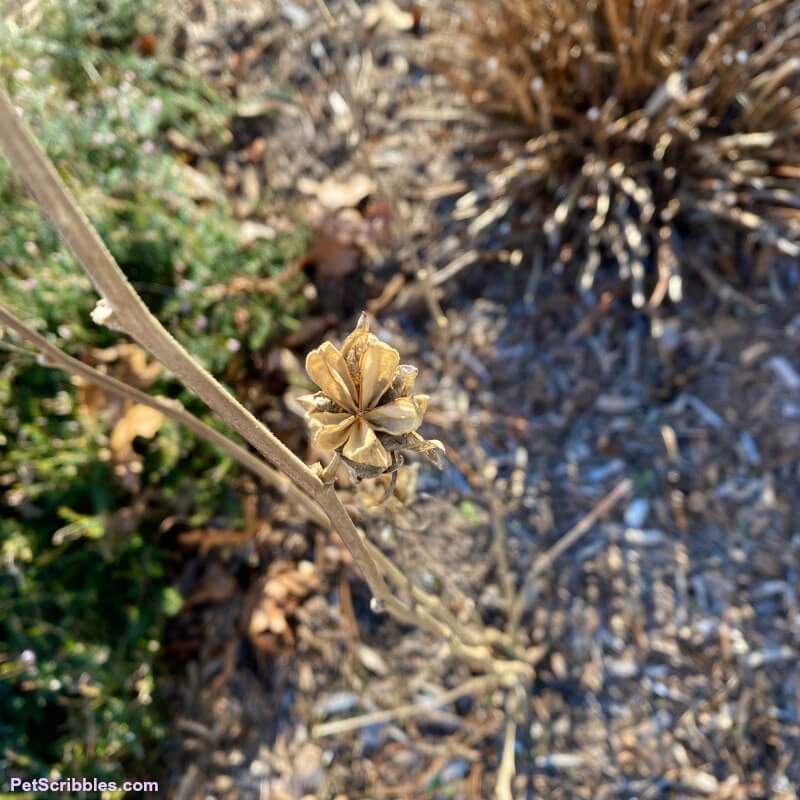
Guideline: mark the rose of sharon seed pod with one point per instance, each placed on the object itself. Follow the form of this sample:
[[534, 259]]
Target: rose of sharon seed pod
[[366, 410]]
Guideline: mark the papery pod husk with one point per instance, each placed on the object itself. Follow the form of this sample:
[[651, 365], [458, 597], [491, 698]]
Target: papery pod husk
[[354, 346], [363, 471], [403, 384], [433, 450], [318, 402]]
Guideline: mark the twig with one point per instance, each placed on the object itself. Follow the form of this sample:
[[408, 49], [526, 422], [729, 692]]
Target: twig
[[484, 476], [484, 683], [452, 269], [480, 637], [122, 309], [508, 769], [544, 561], [500, 547], [473, 646], [327, 14], [243, 284], [725, 291]]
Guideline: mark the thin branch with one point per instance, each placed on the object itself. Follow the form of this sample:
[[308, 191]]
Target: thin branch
[[122, 309], [470, 636], [497, 515], [500, 547], [508, 769], [545, 561], [327, 14], [474, 686], [472, 646]]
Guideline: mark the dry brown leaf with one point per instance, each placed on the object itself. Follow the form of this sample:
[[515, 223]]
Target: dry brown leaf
[[277, 622], [91, 399], [284, 589], [250, 191], [147, 44], [372, 660], [338, 193], [256, 150], [138, 420], [332, 257], [341, 240], [250, 232], [198, 186], [183, 143], [308, 330], [206, 539], [130, 364], [268, 617]]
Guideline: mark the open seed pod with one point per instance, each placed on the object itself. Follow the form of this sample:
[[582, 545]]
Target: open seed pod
[[366, 410]]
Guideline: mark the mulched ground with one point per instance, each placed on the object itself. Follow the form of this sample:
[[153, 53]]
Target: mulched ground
[[667, 636]]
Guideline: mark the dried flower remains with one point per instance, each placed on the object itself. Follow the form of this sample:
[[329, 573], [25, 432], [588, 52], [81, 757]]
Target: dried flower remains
[[366, 410]]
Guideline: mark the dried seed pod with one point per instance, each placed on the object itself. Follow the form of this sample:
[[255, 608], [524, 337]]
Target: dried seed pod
[[366, 410]]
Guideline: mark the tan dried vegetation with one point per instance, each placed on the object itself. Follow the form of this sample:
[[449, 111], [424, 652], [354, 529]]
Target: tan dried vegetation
[[645, 134], [366, 410]]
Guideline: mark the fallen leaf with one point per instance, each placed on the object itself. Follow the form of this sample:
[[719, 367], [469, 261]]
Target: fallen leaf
[[91, 399], [250, 232], [309, 329], [215, 586], [372, 660], [250, 188], [335, 193], [340, 240], [256, 150], [388, 293], [130, 364], [282, 592], [206, 539], [147, 44], [197, 185], [138, 420], [333, 258], [183, 143], [268, 617]]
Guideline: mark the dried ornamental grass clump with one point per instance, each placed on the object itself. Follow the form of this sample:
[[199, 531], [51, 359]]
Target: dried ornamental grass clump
[[366, 410], [639, 133]]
